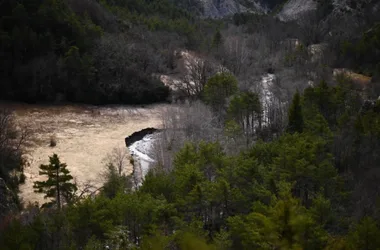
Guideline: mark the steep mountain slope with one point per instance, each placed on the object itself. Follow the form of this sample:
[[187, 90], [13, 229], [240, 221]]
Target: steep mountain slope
[[288, 9], [222, 8], [294, 8]]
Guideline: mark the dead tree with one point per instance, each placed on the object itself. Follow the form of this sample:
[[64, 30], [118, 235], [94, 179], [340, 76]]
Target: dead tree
[[199, 71], [118, 158]]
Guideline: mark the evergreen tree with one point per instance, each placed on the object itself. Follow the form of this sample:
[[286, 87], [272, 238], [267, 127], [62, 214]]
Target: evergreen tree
[[57, 186], [218, 88], [245, 109], [217, 40], [366, 235], [296, 122]]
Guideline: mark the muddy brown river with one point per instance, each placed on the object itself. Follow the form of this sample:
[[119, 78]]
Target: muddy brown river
[[85, 136]]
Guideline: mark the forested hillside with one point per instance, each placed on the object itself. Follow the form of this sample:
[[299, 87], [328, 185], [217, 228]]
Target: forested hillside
[[277, 146], [110, 51], [90, 51]]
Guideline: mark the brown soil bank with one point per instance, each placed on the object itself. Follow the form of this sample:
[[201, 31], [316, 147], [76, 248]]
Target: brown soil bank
[[84, 136]]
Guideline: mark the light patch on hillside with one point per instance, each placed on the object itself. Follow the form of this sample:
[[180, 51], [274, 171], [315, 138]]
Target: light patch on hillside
[[362, 80], [266, 93], [189, 66]]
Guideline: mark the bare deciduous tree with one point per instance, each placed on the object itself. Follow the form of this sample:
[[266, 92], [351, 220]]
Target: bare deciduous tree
[[236, 53], [310, 27], [12, 141], [186, 123], [119, 158], [199, 71]]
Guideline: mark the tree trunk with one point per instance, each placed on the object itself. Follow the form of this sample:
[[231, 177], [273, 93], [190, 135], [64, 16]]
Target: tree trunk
[[58, 191]]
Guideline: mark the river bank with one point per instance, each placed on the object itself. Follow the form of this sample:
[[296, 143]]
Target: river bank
[[142, 152]]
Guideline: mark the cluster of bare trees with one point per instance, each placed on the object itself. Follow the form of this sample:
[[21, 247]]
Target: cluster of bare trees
[[185, 123], [249, 57], [199, 72], [12, 142]]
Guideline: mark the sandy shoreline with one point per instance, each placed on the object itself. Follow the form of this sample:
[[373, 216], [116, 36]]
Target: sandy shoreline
[[85, 135]]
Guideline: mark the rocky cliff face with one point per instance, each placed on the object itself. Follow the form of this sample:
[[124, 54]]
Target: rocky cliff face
[[222, 8], [290, 10], [294, 8]]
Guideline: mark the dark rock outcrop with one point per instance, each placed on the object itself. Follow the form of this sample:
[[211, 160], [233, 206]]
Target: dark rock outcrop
[[139, 135]]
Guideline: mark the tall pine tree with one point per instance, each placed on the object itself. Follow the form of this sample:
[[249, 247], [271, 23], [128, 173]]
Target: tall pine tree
[[296, 122], [57, 186], [217, 40], [245, 109]]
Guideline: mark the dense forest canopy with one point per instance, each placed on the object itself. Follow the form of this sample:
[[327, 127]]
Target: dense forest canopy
[[277, 148], [63, 50]]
